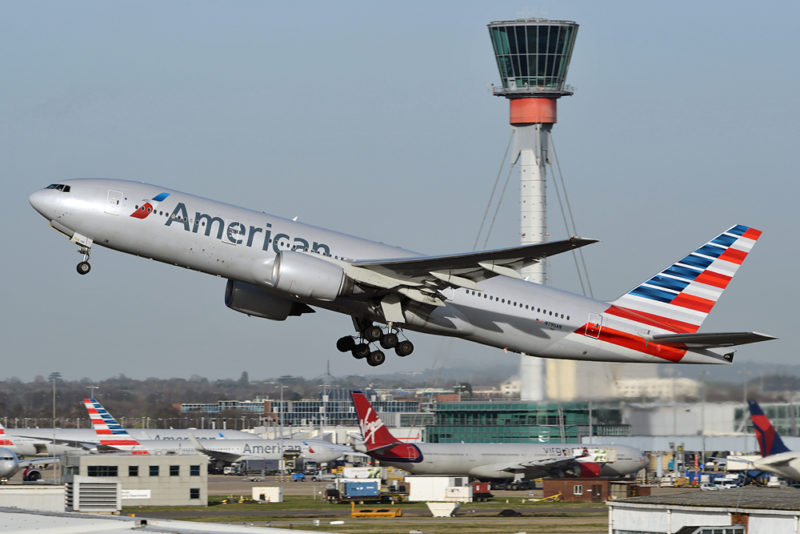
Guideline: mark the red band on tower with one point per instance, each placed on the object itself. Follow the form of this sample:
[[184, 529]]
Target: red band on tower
[[533, 110]]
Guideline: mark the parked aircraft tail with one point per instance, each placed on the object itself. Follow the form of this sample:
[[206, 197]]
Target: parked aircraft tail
[[110, 432], [768, 439], [679, 298], [376, 435], [5, 441]]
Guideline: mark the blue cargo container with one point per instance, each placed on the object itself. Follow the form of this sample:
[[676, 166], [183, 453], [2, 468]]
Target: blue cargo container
[[366, 488]]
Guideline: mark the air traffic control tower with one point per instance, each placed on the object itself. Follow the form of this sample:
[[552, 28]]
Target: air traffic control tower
[[533, 57]]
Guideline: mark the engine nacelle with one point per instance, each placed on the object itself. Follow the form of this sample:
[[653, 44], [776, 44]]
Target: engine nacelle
[[306, 276], [586, 470], [253, 300], [31, 474]]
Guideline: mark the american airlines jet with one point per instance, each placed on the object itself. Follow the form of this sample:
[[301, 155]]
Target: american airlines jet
[[277, 268], [113, 437], [492, 460]]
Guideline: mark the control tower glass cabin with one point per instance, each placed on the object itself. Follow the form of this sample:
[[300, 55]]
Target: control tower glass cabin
[[533, 56]]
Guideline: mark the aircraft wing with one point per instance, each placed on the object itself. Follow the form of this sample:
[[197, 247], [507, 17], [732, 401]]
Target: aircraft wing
[[216, 455], [420, 278], [710, 340], [37, 461], [539, 468]]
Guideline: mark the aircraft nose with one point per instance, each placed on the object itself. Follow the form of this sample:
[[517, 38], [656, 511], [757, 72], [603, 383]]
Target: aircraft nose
[[41, 202]]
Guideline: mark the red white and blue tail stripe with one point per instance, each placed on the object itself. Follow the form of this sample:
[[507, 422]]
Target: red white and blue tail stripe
[[679, 298], [5, 441], [109, 431]]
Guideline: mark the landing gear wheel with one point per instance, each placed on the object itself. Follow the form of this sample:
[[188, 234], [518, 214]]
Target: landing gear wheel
[[389, 341], [345, 344], [84, 267], [373, 333], [360, 351], [376, 358], [404, 348]]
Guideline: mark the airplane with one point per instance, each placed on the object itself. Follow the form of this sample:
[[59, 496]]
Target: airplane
[[775, 456], [277, 268], [80, 436], [10, 463], [113, 437], [492, 460], [27, 446]]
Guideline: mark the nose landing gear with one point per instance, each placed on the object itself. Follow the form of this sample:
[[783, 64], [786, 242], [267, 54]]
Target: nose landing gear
[[84, 244], [360, 348]]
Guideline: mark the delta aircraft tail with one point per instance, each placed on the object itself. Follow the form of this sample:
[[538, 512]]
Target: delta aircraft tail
[[768, 439], [110, 432]]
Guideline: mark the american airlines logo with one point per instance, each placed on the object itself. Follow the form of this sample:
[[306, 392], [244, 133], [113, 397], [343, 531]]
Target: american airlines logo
[[369, 428], [237, 233], [147, 208]]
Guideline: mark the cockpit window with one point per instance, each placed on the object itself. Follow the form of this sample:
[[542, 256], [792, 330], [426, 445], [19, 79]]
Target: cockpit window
[[59, 187]]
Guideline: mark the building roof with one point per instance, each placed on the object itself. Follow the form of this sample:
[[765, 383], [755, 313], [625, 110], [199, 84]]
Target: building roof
[[784, 498]]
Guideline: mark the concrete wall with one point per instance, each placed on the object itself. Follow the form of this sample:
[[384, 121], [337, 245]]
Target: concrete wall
[[32, 497]]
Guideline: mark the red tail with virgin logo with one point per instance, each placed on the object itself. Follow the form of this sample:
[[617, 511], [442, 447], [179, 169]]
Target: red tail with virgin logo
[[375, 434]]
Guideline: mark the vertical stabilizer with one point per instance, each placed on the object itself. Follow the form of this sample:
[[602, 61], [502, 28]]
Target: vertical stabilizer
[[376, 435], [109, 431], [5, 440], [679, 298], [768, 439]]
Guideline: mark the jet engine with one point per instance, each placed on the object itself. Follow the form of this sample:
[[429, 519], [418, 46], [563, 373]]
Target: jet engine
[[306, 276], [253, 300], [31, 474], [586, 470]]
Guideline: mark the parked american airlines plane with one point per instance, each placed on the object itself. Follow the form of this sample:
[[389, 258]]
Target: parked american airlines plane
[[278, 268], [492, 460], [113, 437]]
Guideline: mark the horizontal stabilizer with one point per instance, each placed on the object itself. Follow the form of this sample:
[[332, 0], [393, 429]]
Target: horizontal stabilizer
[[710, 340]]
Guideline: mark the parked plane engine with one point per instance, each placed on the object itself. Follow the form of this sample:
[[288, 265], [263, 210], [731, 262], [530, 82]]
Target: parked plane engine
[[306, 276], [253, 300]]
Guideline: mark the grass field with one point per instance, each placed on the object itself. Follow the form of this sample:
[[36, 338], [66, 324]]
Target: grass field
[[305, 513]]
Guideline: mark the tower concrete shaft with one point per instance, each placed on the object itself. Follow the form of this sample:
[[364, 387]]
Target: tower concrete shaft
[[533, 57]]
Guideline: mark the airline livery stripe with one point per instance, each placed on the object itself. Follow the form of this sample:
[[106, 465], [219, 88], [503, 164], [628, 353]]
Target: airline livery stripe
[[651, 319], [693, 260], [637, 343], [711, 251], [115, 442], [6, 442], [734, 256], [739, 230], [711, 278], [724, 240], [668, 283], [653, 293], [752, 233], [687, 273], [693, 303]]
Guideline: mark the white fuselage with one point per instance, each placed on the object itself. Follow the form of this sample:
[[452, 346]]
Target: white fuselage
[[785, 464], [241, 245], [503, 460]]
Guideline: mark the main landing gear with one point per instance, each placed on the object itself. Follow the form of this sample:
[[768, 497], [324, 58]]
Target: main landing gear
[[360, 348]]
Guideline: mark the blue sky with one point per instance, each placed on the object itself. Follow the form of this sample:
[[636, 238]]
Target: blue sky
[[376, 120]]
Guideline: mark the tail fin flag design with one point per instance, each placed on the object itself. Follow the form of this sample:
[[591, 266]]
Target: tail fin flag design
[[679, 298], [5, 441], [107, 428], [376, 435], [768, 439], [380, 443]]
